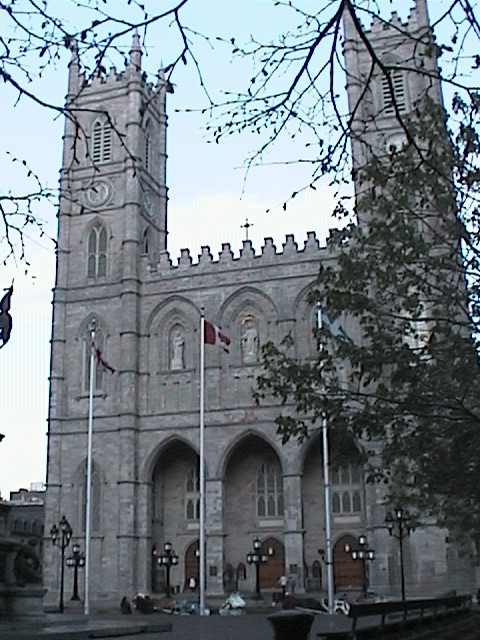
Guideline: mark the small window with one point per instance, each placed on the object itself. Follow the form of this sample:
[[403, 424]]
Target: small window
[[99, 372], [97, 252], [101, 140], [192, 495]]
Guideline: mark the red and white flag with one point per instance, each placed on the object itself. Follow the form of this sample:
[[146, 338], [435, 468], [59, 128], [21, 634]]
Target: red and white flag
[[101, 361], [213, 335]]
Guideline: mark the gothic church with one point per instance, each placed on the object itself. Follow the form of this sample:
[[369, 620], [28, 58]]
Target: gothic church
[[113, 268]]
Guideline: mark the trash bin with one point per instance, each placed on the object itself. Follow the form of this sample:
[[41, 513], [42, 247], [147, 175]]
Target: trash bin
[[291, 625]]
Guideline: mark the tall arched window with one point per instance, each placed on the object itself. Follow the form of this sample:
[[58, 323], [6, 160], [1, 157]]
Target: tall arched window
[[192, 495], [269, 490], [101, 140], [95, 504], [97, 252], [147, 241], [99, 373], [347, 489]]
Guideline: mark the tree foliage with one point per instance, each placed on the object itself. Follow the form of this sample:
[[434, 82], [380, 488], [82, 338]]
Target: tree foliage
[[405, 284]]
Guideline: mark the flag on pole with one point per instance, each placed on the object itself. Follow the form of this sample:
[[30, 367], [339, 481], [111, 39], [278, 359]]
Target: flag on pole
[[101, 361], [213, 335], [332, 325], [5, 317]]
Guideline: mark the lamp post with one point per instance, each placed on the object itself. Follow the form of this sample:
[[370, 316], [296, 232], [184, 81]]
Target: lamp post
[[364, 554], [75, 561], [167, 559], [257, 558], [61, 534], [397, 523]]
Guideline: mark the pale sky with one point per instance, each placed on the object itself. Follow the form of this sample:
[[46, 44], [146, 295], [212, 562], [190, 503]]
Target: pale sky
[[207, 206]]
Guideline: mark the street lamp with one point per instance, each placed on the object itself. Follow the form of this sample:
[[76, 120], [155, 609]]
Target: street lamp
[[167, 559], [61, 534], [397, 523], [75, 561], [364, 554], [257, 558]]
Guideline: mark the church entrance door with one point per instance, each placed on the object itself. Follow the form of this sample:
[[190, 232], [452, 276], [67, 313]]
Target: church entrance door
[[348, 573], [192, 567], [271, 571]]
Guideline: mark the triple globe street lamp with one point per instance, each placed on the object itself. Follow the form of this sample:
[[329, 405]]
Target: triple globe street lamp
[[398, 525], [364, 554], [75, 561], [167, 559], [257, 558], [61, 534]]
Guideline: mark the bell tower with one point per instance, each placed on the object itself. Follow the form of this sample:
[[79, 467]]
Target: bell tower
[[384, 87], [112, 222]]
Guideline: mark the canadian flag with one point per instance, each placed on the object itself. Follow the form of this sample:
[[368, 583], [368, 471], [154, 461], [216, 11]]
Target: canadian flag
[[213, 335]]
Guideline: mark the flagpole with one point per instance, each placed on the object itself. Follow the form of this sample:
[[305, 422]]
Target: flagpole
[[88, 508], [326, 485], [202, 467]]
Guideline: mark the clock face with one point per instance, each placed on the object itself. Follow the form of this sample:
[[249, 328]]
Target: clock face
[[147, 204], [97, 194], [396, 142]]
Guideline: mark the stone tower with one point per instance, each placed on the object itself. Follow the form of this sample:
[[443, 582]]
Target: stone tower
[[384, 88], [112, 211]]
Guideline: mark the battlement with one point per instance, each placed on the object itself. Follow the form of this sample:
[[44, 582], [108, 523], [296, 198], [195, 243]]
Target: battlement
[[417, 20], [269, 255]]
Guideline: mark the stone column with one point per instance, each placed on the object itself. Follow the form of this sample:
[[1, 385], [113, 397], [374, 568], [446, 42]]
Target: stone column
[[214, 535], [293, 534]]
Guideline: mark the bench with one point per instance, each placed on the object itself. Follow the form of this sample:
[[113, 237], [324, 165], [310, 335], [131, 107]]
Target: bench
[[386, 616]]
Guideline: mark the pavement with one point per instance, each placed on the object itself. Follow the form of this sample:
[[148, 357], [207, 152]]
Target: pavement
[[252, 624]]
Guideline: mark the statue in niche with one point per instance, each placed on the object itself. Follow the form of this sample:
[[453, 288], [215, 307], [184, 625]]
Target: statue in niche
[[249, 340], [178, 351]]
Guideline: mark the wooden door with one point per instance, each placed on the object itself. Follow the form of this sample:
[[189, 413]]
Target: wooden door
[[348, 573], [271, 571]]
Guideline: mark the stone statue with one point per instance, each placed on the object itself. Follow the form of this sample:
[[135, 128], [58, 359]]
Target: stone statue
[[249, 341], [178, 351]]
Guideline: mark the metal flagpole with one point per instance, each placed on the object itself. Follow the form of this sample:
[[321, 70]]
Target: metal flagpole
[[202, 468], [326, 484], [328, 535], [88, 507]]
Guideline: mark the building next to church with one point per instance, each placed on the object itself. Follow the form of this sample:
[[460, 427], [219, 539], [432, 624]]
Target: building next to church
[[113, 268]]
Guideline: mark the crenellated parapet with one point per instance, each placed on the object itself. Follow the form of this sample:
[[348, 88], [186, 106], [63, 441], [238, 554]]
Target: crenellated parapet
[[416, 20], [291, 253]]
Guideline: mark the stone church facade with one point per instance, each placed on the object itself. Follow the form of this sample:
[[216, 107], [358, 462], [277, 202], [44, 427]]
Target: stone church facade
[[113, 268]]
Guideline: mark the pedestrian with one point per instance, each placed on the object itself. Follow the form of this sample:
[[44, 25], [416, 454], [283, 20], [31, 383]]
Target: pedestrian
[[291, 584], [282, 581]]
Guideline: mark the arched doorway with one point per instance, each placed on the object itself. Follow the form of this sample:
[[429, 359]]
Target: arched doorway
[[192, 566], [347, 573], [271, 571]]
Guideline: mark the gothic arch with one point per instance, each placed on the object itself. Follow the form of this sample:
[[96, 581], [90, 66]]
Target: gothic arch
[[175, 318], [151, 458], [83, 340], [79, 481], [247, 316], [305, 316], [96, 270], [225, 456]]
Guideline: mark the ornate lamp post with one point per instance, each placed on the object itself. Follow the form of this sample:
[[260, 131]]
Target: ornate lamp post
[[257, 558], [364, 554], [167, 559], [397, 523], [61, 534], [75, 561]]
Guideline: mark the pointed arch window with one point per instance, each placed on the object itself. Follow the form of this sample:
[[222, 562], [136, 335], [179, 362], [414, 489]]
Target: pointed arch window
[[97, 252], [99, 372], [101, 140], [192, 495], [95, 501], [147, 241], [269, 490]]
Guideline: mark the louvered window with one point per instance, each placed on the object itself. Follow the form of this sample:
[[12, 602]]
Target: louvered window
[[399, 94], [101, 140]]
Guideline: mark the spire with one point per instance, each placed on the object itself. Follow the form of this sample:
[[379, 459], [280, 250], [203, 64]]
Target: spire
[[74, 71], [136, 52]]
